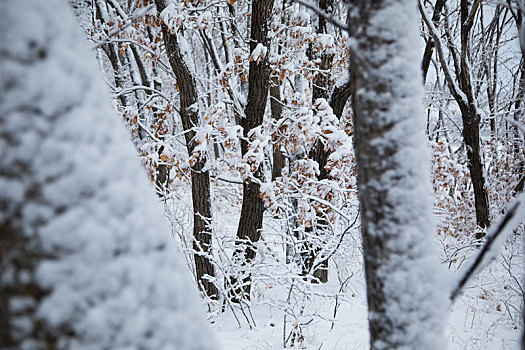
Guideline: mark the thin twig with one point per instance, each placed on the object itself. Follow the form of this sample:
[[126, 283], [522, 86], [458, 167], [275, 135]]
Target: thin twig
[[230, 180]]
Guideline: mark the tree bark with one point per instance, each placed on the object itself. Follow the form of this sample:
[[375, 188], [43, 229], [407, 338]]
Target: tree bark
[[461, 89], [429, 47], [277, 111], [200, 179], [322, 85], [471, 123], [250, 223], [401, 262], [83, 242]]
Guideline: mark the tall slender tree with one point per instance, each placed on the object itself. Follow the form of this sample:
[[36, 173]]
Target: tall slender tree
[[461, 88], [250, 223], [200, 177], [337, 97]]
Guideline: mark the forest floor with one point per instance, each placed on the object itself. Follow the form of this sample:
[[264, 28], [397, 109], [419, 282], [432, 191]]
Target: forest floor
[[482, 318], [486, 316]]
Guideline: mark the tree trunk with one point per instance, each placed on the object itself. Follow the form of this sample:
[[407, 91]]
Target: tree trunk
[[471, 123], [461, 89], [338, 100], [429, 47], [277, 111], [250, 223], [321, 89], [401, 261], [517, 144], [471, 138], [200, 180], [84, 249]]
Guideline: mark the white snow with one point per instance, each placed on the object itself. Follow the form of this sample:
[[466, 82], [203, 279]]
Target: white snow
[[109, 261], [397, 179], [114, 273], [259, 53]]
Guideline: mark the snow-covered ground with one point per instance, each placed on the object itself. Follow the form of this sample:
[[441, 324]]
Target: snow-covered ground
[[350, 329], [475, 322], [486, 316]]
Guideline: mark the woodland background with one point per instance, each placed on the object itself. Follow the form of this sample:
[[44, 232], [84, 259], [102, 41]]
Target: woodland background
[[241, 114]]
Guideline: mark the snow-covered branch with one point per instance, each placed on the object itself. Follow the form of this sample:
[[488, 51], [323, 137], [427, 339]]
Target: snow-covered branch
[[509, 222]]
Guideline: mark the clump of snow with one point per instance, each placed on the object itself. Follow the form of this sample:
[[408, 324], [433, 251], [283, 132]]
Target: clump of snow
[[173, 15], [72, 185], [259, 53], [326, 43], [255, 154]]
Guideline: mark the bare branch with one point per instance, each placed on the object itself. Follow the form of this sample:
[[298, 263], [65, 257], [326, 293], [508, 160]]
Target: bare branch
[[470, 21], [336, 249], [145, 88], [230, 180]]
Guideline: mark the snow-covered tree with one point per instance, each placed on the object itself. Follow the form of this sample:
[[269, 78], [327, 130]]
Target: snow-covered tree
[[86, 258], [200, 175], [204, 136], [406, 309]]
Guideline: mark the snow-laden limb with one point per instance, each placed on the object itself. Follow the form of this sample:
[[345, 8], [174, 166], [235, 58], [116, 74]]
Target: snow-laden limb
[[323, 14], [498, 234], [136, 16], [404, 280], [86, 259]]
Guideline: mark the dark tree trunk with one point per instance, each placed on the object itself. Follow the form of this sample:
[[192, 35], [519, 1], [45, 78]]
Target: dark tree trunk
[[471, 123], [277, 111], [111, 51], [200, 180], [463, 94], [517, 144], [429, 47], [250, 223], [339, 98], [162, 176]]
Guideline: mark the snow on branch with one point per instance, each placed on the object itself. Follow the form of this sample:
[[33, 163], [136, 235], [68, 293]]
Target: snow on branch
[[330, 19], [134, 18], [512, 218]]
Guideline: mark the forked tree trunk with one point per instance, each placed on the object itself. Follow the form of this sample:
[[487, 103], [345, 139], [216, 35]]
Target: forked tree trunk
[[401, 262], [200, 180], [460, 87], [429, 47]]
